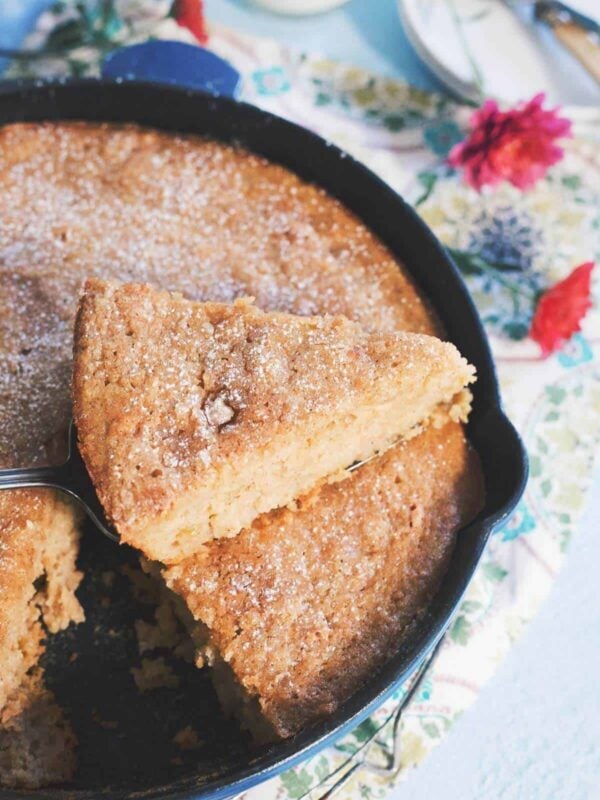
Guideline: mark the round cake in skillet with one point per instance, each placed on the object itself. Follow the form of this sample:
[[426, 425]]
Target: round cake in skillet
[[215, 223]]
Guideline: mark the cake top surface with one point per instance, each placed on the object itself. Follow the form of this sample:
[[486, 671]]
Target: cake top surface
[[168, 390], [214, 222], [304, 605]]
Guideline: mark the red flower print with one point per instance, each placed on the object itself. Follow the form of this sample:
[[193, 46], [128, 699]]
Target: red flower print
[[560, 310], [518, 145], [190, 14]]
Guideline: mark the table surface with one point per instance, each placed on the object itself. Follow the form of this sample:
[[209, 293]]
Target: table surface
[[535, 730]]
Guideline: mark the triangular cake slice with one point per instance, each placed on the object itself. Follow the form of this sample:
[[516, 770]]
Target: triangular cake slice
[[195, 418], [301, 609]]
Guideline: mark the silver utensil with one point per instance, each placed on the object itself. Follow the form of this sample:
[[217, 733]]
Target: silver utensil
[[578, 33], [548, 10], [71, 478]]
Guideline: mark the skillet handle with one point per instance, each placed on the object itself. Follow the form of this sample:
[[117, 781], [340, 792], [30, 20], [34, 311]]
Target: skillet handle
[[173, 63]]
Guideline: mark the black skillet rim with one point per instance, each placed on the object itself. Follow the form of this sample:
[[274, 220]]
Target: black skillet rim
[[410, 240]]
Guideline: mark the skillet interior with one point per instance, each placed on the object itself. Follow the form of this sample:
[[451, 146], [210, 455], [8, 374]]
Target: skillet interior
[[133, 760]]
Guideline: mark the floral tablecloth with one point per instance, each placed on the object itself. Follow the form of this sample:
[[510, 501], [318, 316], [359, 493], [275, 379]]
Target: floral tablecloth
[[511, 245]]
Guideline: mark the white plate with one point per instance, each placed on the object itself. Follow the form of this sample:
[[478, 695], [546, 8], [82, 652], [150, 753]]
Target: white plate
[[513, 57], [299, 7]]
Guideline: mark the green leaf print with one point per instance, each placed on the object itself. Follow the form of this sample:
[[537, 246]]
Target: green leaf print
[[322, 769], [515, 292], [431, 729], [494, 571], [66, 36], [345, 747], [428, 181], [297, 782], [394, 122], [365, 731], [565, 538], [469, 606], [541, 445], [515, 330], [460, 630], [556, 394], [477, 16], [77, 68], [322, 99], [546, 487], [535, 466], [571, 181]]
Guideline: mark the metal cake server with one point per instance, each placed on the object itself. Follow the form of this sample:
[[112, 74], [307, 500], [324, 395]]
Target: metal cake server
[[71, 478]]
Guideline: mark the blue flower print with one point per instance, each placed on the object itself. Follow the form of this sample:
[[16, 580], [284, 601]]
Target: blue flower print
[[520, 523], [426, 690], [440, 137], [505, 238], [576, 351], [271, 82]]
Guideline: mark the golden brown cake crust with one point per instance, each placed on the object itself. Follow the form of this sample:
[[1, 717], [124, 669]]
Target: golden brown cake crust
[[167, 392], [304, 605]]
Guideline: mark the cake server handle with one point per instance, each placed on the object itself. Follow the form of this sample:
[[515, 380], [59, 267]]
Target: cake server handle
[[70, 478]]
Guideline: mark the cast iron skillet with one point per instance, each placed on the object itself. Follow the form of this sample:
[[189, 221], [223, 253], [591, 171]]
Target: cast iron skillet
[[125, 748]]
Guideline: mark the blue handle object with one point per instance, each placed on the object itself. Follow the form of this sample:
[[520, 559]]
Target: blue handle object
[[175, 63]]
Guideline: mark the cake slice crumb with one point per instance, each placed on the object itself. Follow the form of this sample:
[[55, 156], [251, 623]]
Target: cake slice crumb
[[144, 589], [37, 743], [154, 673], [187, 739]]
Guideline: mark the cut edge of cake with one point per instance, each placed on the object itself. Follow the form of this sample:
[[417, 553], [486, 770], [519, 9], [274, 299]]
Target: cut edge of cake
[[37, 742], [39, 577]]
